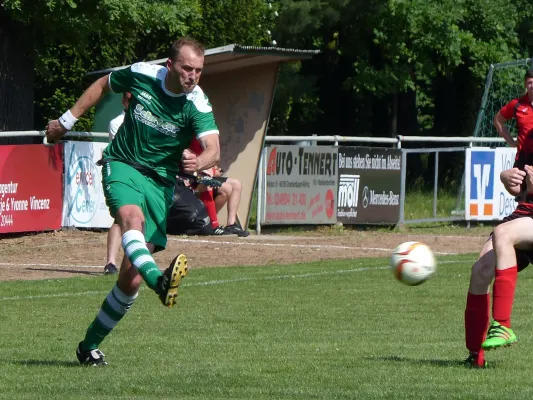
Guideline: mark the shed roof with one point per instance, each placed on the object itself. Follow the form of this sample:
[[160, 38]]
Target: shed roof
[[234, 56]]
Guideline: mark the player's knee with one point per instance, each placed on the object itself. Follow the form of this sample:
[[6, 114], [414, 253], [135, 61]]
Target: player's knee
[[226, 189], [235, 184], [502, 237], [130, 218]]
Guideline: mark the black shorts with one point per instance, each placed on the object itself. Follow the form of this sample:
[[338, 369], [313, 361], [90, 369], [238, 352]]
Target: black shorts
[[523, 257]]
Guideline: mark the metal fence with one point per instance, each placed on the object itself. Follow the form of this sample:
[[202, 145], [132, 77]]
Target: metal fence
[[460, 145]]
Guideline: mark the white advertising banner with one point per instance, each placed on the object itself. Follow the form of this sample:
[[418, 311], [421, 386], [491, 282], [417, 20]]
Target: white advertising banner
[[83, 201], [485, 196]]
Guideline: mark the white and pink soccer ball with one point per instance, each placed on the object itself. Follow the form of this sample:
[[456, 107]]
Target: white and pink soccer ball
[[413, 263]]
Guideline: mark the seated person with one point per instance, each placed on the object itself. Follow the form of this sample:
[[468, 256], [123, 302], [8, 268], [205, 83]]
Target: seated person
[[229, 193]]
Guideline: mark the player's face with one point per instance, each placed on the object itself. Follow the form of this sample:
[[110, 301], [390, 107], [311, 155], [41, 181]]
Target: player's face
[[529, 86], [186, 69]]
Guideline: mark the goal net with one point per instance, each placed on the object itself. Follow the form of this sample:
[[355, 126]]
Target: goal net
[[505, 81]]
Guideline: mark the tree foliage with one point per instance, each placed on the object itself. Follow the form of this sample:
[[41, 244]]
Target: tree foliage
[[69, 38], [245, 22], [386, 66], [72, 37], [410, 59]]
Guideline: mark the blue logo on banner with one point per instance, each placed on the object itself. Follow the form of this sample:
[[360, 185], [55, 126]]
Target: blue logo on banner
[[482, 182]]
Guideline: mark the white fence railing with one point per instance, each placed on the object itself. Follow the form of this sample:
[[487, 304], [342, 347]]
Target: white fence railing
[[398, 140], [458, 142]]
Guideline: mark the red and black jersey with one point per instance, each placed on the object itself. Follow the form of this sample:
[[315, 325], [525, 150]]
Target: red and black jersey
[[522, 110]]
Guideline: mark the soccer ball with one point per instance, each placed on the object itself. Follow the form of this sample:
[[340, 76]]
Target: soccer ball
[[413, 263]]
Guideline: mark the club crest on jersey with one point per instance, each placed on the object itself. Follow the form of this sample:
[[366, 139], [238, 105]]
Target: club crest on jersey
[[147, 118]]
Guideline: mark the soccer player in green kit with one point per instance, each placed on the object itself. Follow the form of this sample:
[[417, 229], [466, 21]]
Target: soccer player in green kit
[[167, 109]]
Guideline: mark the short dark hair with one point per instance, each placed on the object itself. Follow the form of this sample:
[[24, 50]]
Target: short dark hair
[[185, 41], [529, 74]]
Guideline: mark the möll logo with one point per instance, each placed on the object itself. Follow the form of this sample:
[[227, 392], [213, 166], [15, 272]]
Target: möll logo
[[348, 195]]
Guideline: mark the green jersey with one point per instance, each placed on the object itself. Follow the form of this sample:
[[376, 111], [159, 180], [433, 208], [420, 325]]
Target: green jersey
[[158, 124]]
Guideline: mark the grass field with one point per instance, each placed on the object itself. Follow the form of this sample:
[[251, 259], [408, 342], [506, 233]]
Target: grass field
[[419, 204], [340, 330]]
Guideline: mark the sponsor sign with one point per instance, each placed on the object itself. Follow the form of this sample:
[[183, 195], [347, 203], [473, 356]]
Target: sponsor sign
[[30, 188], [485, 196], [301, 185], [369, 185], [84, 202]]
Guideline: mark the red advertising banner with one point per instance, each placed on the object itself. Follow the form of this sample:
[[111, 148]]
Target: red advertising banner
[[30, 188]]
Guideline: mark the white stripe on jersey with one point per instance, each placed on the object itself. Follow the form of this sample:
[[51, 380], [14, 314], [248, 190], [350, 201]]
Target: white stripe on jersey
[[199, 99], [207, 133], [152, 70]]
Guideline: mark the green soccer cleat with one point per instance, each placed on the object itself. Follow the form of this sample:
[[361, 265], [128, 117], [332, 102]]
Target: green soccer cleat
[[498, 336]]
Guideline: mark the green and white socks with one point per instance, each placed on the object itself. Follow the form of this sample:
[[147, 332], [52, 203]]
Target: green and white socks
[[135, 249], [114, 308]]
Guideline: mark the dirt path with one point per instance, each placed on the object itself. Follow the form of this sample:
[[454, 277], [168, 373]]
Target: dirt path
[[71, 253]]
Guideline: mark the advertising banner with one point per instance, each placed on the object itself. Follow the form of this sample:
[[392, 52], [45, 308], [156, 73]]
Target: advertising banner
[[485, 195], [301, 185], [84, 202], [30, 188], [369, 185]]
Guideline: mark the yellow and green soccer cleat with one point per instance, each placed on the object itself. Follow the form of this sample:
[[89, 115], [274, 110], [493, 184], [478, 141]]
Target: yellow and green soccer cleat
[[167, 287], [498, 336]]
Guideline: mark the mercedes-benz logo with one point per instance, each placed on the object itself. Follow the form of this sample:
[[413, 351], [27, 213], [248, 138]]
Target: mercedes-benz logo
[[366, 196]]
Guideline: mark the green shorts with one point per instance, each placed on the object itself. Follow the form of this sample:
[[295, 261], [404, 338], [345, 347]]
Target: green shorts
[[124, 185]]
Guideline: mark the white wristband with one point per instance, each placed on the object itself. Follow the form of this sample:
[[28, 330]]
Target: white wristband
[[68, 120]]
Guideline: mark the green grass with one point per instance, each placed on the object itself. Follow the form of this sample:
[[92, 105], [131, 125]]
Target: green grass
[[419, 204], [337, 330]]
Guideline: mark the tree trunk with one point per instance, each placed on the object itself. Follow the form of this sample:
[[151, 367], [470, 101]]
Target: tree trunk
[[16, 78]]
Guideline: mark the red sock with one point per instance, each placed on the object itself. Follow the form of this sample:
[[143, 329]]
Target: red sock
[[209, 202], [476, 323], [503, 295]]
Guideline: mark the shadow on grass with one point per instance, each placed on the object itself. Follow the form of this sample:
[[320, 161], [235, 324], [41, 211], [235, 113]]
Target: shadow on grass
[[418, 361], [70, 271], [42, 363]]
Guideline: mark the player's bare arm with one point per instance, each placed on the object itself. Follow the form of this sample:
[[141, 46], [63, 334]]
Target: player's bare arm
[[512, 180], [211, 154], [501, 128], [209, 157], [57, 128]]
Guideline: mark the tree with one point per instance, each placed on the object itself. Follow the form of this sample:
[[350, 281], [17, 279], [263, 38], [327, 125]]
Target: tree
[[16, 78], [245, 22], [63, 39], [397, 56]]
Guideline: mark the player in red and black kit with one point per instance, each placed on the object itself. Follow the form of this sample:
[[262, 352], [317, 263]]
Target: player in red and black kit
[[510, 247], [521, 110]]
